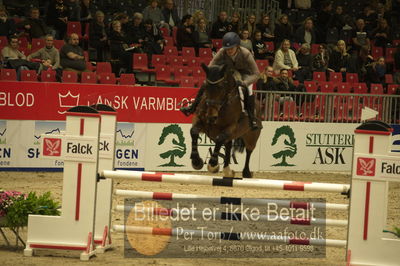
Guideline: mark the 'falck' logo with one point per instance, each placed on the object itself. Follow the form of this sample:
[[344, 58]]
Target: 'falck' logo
[[366, 166], [52, 147]]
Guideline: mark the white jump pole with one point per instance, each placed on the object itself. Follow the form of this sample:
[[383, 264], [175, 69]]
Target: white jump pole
[[228, 182], [180, 232], [229, 200], [74, 229], [229, 216], [374, 166], [108, 126]]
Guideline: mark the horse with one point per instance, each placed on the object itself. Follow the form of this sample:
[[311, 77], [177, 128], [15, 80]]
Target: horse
[[219, 115]]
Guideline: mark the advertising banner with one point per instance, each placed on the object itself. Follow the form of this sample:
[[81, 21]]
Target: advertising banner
[[168, 148], [306, 146], [50, 101]]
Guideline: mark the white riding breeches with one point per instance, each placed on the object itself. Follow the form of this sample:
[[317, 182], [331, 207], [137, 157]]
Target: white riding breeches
[[249, 91]]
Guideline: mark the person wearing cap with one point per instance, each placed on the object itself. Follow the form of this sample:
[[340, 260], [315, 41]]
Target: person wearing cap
[[247, 73]]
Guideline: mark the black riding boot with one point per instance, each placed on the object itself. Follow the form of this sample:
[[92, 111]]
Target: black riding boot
[[250, 106], [188, 110]]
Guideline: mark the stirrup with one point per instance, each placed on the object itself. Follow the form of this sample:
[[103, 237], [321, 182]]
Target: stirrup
[[254, 125]]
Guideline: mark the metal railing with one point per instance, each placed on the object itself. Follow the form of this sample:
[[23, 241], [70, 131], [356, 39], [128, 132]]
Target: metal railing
[[326, 107]]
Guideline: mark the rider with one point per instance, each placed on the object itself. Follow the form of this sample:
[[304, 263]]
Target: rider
[[239, 58]]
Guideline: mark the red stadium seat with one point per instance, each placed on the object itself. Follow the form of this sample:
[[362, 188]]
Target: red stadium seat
[[319, 76], [376, 52], [205, 52], [48, 76], [326, 86], [192, 61], [164, 32], [314, 48], [344, 87], [23, 42], [187, 82], [175, 60], [103, 67], [158, 59], [311, 86], [199, 75], [393, 89], [3, 41], [140, 63], [351, 77], [169, 41], [88, 78], [217, 43], [127, 79], [376, 88], [270, 46], [8, 74], [107, 78], [37, 44], [188, 51], [389, 78], [74, 27], [28, 75], [163, 73], [181, 71], [170, 50], [390, 55], [69, 77], [335, 77], [360, 88]]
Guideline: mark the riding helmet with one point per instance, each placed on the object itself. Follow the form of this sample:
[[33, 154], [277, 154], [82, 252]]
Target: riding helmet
[[230, 39]]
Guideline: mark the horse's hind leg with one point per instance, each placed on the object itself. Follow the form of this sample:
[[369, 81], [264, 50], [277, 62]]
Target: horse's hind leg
[[197, 162], [227, 160], [246, 170]]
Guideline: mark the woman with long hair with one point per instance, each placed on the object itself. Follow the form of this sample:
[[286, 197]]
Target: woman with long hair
[[283, 30], [266, 30]]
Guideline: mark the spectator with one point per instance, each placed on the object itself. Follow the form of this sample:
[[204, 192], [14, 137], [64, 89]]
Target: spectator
[[124, 20], [285, 83], [359, 62], [118, 44], [321, 59], [376, 72], [34, 26], [245, 41], [49, 56], [283, 30], [154, 13], [220, 26], [338, 18], [185, 36], [259, 48], [98, 36], [370, 18], [197, 15], [265, 27], [339, 59], [267, 82], [7, 26], [324, 18], [359, 35], [170, 14], [250, 25], [235, 25], [382, 34], [57, 17], [74, 10], [304, 60], [15, 59], [396, 57], [153, 41], [285, 58], [306, 32], [201, 36], [87, 14], [136, 30], [71, 55]]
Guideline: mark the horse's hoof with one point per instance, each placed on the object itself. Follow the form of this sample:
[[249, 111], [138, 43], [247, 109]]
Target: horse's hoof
[[213, 169], [197, 163], [228, 172], [247, 174]]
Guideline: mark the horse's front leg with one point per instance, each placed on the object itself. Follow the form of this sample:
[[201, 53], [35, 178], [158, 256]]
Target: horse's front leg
[[227, 160], [197, 162], [213, 166], [246, 170]]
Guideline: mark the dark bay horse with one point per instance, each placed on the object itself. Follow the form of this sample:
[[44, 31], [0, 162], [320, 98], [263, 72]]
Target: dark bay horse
[[219, 116]]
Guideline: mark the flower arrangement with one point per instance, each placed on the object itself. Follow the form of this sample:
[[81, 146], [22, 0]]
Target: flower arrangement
[[16, 206]]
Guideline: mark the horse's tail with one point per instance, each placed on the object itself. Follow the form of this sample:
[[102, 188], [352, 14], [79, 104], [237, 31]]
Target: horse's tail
[[238, 145]]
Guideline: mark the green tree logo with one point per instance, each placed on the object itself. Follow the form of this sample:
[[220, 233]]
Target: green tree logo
[[284, 137], [172, 135]]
